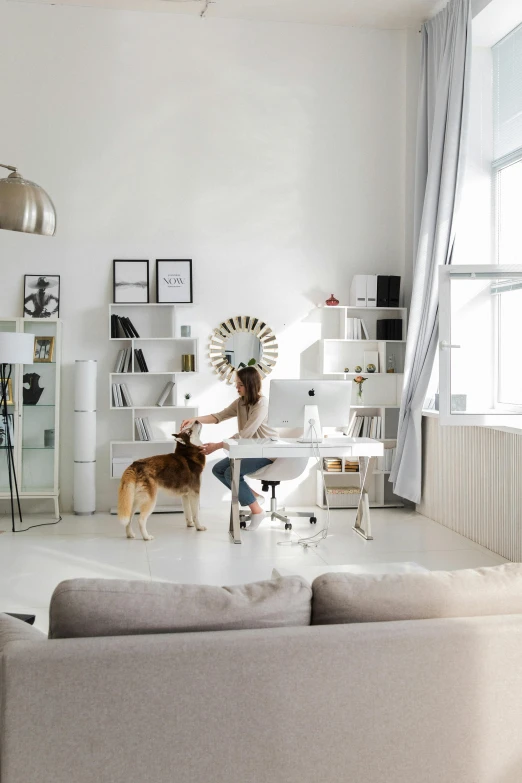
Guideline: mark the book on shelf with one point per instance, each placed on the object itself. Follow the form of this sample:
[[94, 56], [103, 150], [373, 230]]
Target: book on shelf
[[386, 461], [165, 393], [118, 364], [126, 394], [123, 362], [121, 397], [142, 364], [121, 326], [365, 427], [389, 329], [332, 465], [140, 429], [147, 427], [356, 329]]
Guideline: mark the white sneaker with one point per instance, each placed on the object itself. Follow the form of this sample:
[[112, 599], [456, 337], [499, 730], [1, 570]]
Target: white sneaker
[[255, 520]]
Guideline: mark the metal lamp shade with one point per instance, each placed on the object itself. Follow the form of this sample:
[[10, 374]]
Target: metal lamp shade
[[16, 348], [25, 206]]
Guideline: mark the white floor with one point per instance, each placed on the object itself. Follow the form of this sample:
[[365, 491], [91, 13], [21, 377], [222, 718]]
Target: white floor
[[34, 562]]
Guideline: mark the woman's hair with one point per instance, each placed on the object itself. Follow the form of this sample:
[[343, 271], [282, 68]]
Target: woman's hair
[[251, 380]]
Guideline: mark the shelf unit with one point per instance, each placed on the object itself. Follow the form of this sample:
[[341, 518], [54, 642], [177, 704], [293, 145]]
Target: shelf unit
[[382, 391], [37, 465], [158, 326]]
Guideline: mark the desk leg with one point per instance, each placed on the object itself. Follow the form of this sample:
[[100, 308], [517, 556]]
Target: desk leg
[[362, 521], [234, 528]]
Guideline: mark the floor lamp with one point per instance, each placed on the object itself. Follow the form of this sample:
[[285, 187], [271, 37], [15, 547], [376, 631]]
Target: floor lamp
[[15, 348]]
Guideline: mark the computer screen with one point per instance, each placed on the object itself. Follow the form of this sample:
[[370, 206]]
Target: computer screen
[[288, 400]]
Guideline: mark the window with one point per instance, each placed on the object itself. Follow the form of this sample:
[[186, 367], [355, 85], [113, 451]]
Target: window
[[480, 326]]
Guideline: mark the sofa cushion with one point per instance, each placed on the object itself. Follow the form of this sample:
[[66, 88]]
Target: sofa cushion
[[365, 598], [114, 607]]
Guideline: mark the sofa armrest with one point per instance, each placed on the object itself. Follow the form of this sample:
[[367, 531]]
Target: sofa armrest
[[14, 630]]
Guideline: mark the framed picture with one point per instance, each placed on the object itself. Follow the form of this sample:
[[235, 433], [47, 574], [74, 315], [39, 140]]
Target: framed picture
[[42, 296], [43, 349], [173, 281], [131, 282], [3, 430], [9, 400]]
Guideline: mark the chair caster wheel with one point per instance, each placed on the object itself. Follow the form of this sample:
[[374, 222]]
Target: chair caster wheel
[[313, 520], [288, 525], [242, 524]]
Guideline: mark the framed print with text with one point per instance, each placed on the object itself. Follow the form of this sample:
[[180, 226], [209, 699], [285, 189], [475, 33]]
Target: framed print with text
[[174, 281]]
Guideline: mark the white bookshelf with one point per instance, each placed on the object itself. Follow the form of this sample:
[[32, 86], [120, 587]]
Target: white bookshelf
[[330, 357], [158, 326]]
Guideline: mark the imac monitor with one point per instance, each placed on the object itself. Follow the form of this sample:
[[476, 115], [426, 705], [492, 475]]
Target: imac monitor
[[309, 405]]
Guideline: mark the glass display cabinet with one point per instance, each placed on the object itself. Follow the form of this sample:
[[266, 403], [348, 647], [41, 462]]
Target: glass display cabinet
[[33, 414]]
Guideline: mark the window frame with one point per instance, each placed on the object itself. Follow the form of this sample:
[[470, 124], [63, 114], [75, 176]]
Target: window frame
[[508, 417]]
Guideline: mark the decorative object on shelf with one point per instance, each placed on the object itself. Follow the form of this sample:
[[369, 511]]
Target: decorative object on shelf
[[358, 368], [242, 340], [391, 363], [174, 281], [84, 492], [6, 423], [25, 206], [359, 380], [41, 296], [6, 384], [332, 301], [371, 368], [188, 362], [185, 331], [346, 369], [49, 439], [15, 348], [371, 358], [33, 391], [130, 281], [187, 398], [43, 349]]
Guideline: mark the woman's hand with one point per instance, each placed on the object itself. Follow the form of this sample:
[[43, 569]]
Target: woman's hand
[[187, 423], [209, 448]]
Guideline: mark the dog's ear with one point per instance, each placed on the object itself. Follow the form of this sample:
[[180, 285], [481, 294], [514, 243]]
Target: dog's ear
[[181, 437]]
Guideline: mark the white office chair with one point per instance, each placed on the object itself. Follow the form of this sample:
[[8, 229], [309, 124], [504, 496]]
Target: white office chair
[[271, 476]]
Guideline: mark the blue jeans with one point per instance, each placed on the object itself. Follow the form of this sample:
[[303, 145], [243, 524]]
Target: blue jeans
[[223, 472]]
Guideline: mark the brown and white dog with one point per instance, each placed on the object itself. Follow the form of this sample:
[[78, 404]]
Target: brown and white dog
[[179, 473]]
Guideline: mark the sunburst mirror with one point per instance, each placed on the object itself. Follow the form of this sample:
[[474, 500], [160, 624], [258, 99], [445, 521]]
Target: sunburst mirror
[[242, 341]]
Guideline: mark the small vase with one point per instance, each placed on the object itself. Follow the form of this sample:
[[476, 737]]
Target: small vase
[[360, 396], [332, 301]]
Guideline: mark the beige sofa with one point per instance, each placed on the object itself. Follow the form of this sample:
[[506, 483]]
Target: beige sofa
[[137, 686]]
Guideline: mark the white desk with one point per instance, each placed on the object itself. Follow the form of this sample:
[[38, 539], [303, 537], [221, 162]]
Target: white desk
[[365, 449]]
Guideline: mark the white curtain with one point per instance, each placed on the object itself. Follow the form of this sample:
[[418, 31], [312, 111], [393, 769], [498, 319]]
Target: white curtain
[[441, 137]]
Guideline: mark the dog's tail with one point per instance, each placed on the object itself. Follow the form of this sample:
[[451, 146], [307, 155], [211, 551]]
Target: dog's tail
[[126, 494]]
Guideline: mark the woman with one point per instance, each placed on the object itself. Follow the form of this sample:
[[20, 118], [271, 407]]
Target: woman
[[251, 409]]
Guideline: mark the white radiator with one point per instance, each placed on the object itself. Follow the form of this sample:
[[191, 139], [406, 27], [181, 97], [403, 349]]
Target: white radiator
[[472, 483]]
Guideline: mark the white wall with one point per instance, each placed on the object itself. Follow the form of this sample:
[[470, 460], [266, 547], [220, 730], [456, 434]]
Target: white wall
[[273, 155]]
